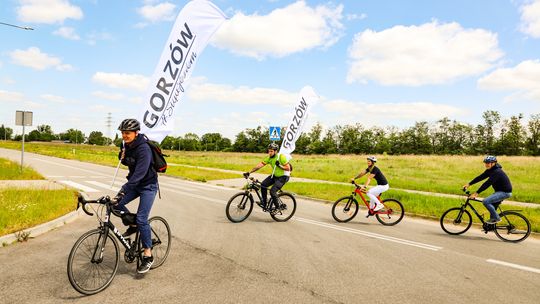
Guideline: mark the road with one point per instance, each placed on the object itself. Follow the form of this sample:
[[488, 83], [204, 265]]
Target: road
[[310, 259]]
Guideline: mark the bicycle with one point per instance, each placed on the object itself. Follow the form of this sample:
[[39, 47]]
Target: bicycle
[[93, 260], [240, 205], [458, 220], [346, 208]]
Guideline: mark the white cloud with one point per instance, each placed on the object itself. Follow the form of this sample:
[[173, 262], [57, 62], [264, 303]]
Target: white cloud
[[35, 59], [356, 17], [431, 53], [94, 37], [522, 79], [159, 12], [11, 97], [67, 32], [47, 11], [121, 81], [107, 95], [222, 93], [294, 28], [530, 19], [53, 98]]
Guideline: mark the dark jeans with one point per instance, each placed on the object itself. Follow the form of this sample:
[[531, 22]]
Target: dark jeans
[[147, 195], [496, 197], [278, 183]]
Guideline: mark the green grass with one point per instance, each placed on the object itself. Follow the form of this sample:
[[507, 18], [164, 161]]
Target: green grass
[[414, 204], [22, 209], [12, 171], [198, 174]]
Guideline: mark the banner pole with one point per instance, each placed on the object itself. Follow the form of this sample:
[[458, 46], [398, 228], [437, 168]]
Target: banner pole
[[118, 167]]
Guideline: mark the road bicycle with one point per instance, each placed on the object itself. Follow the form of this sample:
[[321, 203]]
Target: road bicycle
[[93, 260], [346, 208], [240, 205], [513, 227]]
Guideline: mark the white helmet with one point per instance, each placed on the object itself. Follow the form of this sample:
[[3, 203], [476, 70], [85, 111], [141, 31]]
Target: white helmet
[[372, 158]]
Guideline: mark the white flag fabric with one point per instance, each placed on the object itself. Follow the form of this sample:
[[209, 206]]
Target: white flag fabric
[[194, 26], [306, 100]]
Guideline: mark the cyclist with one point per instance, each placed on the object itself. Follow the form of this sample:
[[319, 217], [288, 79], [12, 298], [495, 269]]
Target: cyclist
[[142, 183], [281, 173], [373, 171], [500, 183]]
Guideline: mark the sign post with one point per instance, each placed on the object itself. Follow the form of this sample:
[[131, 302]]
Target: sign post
[[23, 118]]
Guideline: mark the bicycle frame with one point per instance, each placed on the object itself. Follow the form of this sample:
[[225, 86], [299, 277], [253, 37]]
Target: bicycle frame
[[360, 193], [256, 186]]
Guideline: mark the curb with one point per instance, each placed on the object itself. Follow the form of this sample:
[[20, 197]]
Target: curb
[[41, 229]]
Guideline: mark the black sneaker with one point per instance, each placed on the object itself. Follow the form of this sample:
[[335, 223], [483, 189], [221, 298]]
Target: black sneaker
[[131, 230], [146, 264]]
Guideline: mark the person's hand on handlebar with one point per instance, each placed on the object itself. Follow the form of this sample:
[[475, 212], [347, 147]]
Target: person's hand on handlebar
[[473, 196], [245, 174], [118, 197]]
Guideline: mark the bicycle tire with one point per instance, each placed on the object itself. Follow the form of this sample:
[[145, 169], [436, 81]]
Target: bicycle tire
[[83, 254], [161, 240], [513, 223], [236, 207], [285, 213], [450, 220], [395, 215], [344, 205]]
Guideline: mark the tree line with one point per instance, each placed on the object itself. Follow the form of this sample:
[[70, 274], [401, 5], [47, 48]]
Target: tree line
[[495, 135]]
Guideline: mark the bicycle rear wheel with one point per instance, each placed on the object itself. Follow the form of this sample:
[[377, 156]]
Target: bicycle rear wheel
[[93, 262], [287, 207], [239, 207], [392, 214], [161, 240], [456, 221], [345, 209], [514, 227]]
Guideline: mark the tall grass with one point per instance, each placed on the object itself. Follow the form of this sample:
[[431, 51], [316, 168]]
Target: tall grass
[[12, 171]]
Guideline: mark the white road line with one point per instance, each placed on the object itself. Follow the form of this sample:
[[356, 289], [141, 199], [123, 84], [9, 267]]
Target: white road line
[[512, 265], [213, 200], [184, 187], [104, 186], [207, 185], [68, 166], [370, 234], [78, 186]]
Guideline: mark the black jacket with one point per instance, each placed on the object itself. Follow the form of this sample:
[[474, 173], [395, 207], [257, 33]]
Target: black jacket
[[496, 178], [138, 158]]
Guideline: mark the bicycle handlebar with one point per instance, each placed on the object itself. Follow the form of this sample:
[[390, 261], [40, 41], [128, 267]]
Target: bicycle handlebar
[[83, 200]]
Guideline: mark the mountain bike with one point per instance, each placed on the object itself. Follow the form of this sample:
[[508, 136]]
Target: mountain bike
[[513, 227], [346, 208], [93, 260], [240, 205]]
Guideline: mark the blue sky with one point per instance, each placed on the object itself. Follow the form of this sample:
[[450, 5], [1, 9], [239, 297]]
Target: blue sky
[[379, 63]]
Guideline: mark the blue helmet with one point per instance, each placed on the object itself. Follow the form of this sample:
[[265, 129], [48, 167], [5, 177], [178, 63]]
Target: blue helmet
[[490, 159]]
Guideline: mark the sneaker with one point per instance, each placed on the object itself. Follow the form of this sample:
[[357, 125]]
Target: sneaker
[[131, 230], [146, 264], [378, 207], [493, 221]]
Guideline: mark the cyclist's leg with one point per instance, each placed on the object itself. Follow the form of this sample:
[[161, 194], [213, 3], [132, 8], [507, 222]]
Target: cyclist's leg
[[495, 198], [280, 182], [267, 182], [130, 196], [373, 193], [148, 194]]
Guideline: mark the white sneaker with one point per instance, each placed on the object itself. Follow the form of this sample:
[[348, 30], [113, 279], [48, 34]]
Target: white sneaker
[[378, 207]]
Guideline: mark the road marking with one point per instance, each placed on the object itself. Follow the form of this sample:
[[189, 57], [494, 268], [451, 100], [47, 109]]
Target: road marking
[[104, 186], [213, 200], [184, 187], [206, 185], [78, 186], [68, 166], [371, 234], [512, 265]]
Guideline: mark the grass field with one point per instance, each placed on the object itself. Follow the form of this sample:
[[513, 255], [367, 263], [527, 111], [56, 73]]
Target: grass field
[[12, 171]]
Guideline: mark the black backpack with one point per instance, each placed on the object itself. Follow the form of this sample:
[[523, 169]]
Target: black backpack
[[158, 158]]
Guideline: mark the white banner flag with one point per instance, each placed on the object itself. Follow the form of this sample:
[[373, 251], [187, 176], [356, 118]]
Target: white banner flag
[[307, 99], [194, 26]]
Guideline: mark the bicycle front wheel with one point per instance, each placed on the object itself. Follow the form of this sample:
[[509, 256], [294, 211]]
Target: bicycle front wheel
[[513, 227], [93, 262], [161, 240], [456, 221], [239, 207], [286, 209], [392, 214], [345, 209]]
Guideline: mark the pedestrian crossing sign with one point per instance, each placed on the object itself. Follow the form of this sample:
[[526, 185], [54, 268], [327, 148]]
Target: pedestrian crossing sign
[[275, 133]]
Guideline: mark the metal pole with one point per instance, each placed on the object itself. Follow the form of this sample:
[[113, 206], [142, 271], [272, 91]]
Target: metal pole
[[22, 152]]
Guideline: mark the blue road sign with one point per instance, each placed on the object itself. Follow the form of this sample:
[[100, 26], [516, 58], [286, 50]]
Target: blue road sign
[[275, 133]]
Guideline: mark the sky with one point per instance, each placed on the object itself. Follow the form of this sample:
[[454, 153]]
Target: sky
[[378, 63]]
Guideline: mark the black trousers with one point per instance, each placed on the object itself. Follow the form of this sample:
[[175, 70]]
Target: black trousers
[[278, 183]]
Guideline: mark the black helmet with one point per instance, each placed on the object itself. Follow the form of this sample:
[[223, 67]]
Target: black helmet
[[490, 159], [129, 124], [273, 146]]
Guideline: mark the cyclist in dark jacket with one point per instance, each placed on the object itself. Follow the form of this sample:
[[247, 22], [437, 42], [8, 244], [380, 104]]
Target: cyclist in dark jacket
[[142, 182], [500, 183]]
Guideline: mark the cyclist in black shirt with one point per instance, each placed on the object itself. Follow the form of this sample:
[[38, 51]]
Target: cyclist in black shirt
[[382, 184], [500, 183]]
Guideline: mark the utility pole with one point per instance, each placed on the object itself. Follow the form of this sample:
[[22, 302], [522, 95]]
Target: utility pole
[[108, 123]]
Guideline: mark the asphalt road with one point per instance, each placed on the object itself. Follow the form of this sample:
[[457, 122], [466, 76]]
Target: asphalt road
[[310, 259]]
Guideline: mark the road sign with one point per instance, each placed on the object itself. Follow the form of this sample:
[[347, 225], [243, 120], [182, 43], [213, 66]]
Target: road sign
[[275, 133], [23, 118]]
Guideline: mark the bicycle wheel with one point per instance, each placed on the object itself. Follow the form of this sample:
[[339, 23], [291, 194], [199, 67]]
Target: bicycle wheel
[[345, 209], [456, 221], [161, 240], [239, 207], [392, 214], [514, 227], [93, 262], [287, 207]]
